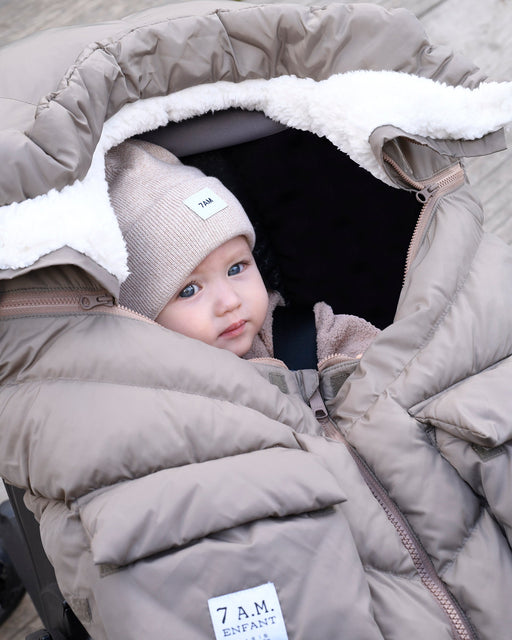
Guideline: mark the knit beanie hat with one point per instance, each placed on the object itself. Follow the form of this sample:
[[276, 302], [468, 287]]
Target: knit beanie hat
[[171, 216]]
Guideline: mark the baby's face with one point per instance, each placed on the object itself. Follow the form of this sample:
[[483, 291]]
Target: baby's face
[[223, 302]]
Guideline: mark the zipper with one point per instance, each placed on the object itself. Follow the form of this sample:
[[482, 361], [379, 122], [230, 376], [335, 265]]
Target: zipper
[[270, 361], [428, 194], [90, 301], [30, 303], [423, 564], [336, 358], [421, 560], [317, 404]]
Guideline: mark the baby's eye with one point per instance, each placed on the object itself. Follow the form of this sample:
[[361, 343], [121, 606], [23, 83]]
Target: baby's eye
[[236, 269], [188, 291]]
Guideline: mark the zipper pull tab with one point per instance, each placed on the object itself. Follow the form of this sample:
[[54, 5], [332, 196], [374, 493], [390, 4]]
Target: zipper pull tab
[[329, 429], [317, 405], [426, 193], [89, 302]]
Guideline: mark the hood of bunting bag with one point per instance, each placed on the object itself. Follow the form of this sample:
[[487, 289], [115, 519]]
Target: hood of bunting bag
[[318, 69]]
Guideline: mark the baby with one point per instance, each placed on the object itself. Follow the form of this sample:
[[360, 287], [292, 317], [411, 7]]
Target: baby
[[190, 258], [189, 248]]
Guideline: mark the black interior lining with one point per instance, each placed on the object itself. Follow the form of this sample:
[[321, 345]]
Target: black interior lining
[[326, 228]]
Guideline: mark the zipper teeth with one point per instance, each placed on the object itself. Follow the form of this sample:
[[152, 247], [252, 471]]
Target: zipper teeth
[[133, 314], [270, 361], [405, 176], [336, 358], [18, 300], [437, 187], [419, 229], [44, 301], [419, 557], [51, 302], [420, 222], [453, 178]]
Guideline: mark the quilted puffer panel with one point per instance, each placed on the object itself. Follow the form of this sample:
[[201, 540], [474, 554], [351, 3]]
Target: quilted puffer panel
[[196, 500], [477, 410]]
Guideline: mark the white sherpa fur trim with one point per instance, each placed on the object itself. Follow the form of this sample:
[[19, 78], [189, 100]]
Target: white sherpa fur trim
[[79, 216], [345, 108]]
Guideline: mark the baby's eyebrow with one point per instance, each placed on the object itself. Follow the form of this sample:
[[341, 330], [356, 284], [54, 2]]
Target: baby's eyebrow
[[238, 257]]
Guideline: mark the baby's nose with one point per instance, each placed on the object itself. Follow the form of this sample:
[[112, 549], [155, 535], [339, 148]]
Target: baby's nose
[[227, 299]]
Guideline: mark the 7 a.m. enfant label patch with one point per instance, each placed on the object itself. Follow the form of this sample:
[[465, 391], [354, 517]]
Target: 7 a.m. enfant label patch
[[205, 203], [251, 614]]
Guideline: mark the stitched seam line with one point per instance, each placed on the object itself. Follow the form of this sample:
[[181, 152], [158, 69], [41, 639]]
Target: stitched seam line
[[40, 381], [31, 104], [436, 421], [466, 538], [456, 384]]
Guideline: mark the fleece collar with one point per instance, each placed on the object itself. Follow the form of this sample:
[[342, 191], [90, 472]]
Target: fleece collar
[[345, 108]]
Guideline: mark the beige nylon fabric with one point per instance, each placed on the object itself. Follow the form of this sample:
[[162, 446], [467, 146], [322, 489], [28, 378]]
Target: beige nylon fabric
[[165, 472], [225, 413], [51, 126]]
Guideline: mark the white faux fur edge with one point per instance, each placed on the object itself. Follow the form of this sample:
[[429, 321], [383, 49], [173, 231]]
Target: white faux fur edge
[[345, 108]]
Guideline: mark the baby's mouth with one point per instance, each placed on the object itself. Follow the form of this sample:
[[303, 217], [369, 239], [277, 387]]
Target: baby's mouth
[[234, 329]]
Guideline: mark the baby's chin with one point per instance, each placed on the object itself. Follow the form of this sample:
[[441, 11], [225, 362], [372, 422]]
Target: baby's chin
[[238, 350], [239, 346]]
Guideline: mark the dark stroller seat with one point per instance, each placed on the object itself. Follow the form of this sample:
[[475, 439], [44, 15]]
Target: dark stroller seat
[[20, 534]]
